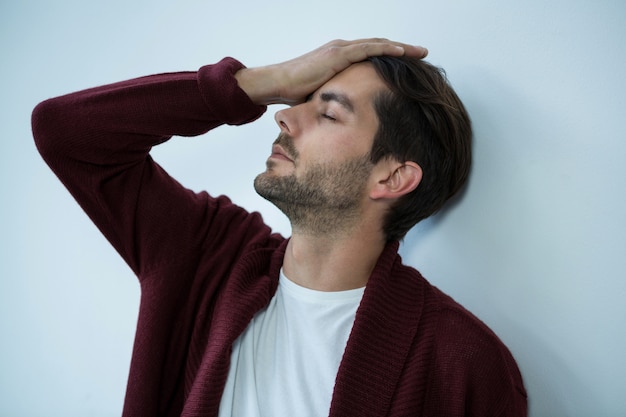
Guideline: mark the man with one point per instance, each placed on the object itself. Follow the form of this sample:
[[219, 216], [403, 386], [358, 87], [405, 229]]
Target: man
[[236, 320]]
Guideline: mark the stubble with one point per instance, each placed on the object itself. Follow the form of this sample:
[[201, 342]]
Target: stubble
[[325, 200]]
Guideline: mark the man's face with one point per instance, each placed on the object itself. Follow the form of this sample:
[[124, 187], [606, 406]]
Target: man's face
[[319, 167]]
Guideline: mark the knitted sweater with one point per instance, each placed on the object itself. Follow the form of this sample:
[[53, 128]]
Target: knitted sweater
[[206, 266]]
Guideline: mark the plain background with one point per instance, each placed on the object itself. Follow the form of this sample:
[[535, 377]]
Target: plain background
[[535, 247]]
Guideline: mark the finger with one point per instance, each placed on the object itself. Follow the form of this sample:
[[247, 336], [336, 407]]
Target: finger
[[415, 51], [362, 49], [390, 48]]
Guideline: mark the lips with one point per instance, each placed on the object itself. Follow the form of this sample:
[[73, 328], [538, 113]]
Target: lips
[[279, 153]]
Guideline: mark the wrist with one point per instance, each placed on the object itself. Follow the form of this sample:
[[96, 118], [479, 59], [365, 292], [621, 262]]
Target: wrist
[[259, 84]]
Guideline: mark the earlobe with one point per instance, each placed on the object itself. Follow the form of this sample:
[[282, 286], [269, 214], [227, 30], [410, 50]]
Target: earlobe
[[402, 179]]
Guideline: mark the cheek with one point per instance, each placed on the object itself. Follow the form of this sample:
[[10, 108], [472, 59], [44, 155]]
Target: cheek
[[334, 144]]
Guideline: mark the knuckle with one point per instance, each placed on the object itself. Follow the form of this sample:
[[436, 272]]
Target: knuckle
[[336, 43]]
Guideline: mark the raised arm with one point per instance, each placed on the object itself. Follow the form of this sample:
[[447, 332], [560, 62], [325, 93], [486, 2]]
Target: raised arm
[[97, 141]]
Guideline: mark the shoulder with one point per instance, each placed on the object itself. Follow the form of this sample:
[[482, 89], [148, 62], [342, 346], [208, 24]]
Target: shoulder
[[451, 362], [452, 322], [458, 335], [468, 357]]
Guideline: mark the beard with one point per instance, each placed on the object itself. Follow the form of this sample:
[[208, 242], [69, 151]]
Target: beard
[[325, 200]]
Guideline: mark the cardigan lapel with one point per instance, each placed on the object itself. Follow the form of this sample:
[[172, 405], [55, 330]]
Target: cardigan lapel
[[249, 289], [384, 329]]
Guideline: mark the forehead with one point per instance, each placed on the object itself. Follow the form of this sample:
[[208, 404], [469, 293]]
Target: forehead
[[354, 87]]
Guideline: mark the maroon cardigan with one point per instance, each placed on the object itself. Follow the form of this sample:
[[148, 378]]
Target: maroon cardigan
[[207, 266]]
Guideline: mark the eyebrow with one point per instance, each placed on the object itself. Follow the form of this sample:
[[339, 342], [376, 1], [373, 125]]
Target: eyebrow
[[342, 99]]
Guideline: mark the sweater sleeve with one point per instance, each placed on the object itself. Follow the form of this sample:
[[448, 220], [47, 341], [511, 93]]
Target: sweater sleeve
[[97, 142]]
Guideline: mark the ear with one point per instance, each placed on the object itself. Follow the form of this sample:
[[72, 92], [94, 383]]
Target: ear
[[396, 179]]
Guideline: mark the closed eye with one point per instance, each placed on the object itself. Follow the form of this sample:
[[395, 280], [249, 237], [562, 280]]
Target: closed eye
[[328, 117]]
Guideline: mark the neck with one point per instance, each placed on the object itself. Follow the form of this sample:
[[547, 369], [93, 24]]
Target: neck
[[332, 262]]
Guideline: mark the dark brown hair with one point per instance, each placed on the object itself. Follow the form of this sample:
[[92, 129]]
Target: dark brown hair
[[421, 120]]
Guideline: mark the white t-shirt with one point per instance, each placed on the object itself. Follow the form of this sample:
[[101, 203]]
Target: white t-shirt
[[286, 361]]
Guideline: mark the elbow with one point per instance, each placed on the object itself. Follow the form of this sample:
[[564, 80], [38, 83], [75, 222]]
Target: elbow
[[48, 124]]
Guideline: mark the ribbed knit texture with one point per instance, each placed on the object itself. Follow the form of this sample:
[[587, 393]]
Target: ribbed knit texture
[[207, 266]]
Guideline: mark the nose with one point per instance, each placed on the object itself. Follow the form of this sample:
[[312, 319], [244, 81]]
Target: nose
[[291, 120], [281, 117]]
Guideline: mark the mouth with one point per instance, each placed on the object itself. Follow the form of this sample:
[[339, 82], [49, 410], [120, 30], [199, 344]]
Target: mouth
[[279, 153]]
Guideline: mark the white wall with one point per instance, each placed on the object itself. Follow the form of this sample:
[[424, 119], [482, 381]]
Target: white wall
[[535, 247]]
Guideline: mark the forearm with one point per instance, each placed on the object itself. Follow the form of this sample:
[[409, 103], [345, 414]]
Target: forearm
[[95, 125]]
